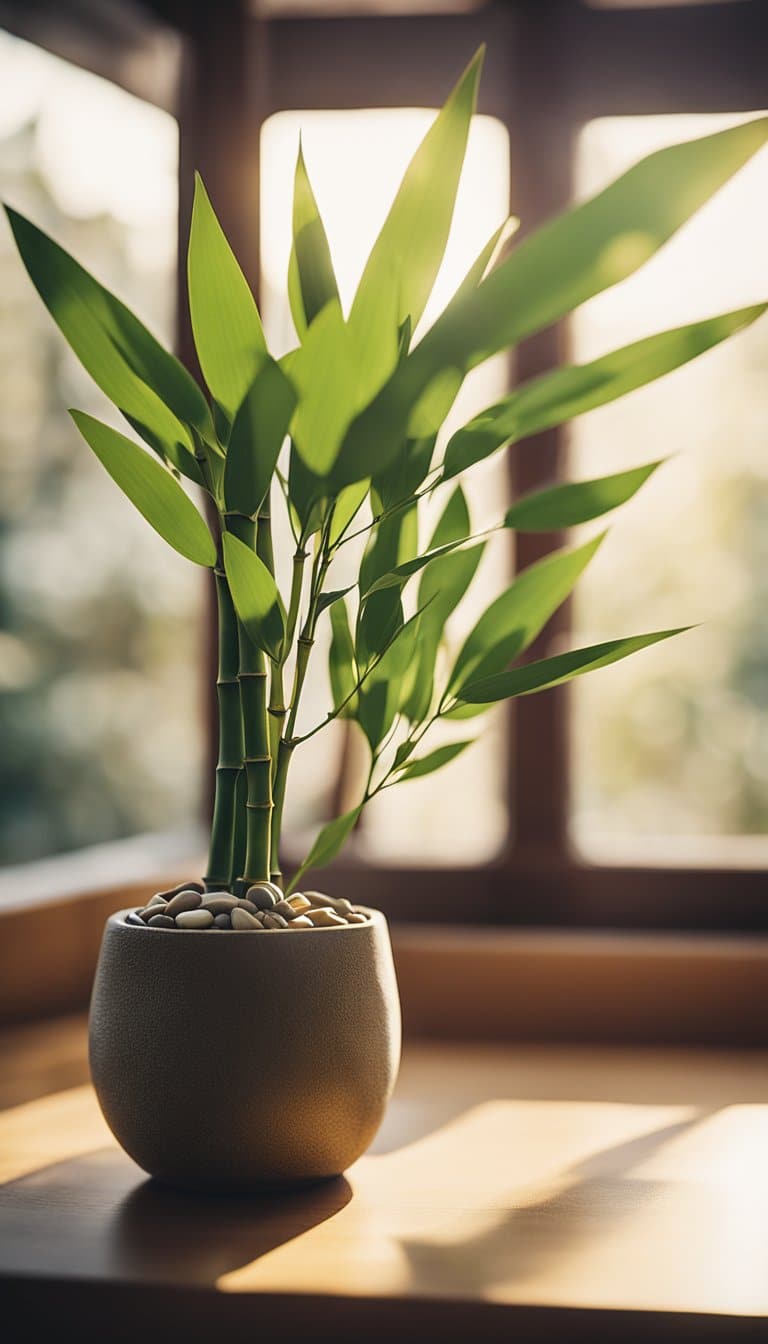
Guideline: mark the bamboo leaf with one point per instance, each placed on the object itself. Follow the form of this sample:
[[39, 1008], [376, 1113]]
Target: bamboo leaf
[[326, 600], [441, 589], [570, 391], [380, 695], [342, 668], [254, 593], [454, 523], [311, 278], [576, 502], [548, 672], [489, 255], [151, 488], [144, 381], [435, 760], [225, 321], [327, 844], [412, 241], [553, 271], [379, 619], [347, 505], [258, 433], [510, 624]]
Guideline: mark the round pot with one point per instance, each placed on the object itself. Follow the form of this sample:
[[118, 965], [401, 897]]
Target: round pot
[[237, 1061]]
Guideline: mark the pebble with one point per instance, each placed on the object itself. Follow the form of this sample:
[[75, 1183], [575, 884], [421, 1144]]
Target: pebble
[[317, 901], [174, 891], [264, 895], [133, 918], [192, 919], [287, 911], [241, 919], [274, 921], [183, 901], [158, 899], [299, 903], [338, 903], [249, 906], [222, 922], [220, 904], [300, 922], [149, 910], [161, 922], [325, 919], [354, 917]]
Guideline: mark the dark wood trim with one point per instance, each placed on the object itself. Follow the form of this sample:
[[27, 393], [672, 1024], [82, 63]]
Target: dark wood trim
[[558, 891]]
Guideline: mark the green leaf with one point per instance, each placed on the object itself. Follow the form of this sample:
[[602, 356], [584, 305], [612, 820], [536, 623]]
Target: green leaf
[[489, 255], [412, 241], [254, 593], [151, 488], [327, 844], [258, 433], [454, 523], [225, 321], [323, 370], [435, 760], [576, 502], [441, 588], [306, 493], [553, 271], [349, 501], [381, 693], [342, 668], [144, 381], [511, 623], [565, 393], [379, 619], [547, 672], [311, 278], [326, 600]]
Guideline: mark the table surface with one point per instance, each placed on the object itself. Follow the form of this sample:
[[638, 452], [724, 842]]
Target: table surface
[[553, 1192]]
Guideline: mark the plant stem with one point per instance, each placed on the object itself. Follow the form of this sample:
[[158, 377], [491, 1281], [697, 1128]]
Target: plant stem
[[320, 564], [281, 753], [252, 679], [230, 757]]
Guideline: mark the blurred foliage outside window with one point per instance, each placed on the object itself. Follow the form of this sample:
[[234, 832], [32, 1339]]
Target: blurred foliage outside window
[[673, 747], [100, 625]]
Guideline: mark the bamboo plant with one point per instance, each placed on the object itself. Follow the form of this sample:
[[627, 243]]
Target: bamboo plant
[[344, 432]]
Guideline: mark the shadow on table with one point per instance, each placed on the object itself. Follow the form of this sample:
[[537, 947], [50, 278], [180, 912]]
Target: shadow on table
[[596, 1196], [161, 1233], [96, 1215]]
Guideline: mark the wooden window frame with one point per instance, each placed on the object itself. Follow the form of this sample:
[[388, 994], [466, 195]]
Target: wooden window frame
[[551, 68]]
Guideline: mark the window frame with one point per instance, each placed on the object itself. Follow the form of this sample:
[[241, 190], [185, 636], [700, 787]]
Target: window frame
[[550, 69]]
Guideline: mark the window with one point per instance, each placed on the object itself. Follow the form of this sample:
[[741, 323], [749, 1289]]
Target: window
[[673, 750], [568, 831], [99, 623], [356, 160]]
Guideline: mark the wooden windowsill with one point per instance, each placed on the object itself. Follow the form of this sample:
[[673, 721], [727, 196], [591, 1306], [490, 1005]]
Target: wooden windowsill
[[460, 982], [536, 1193]]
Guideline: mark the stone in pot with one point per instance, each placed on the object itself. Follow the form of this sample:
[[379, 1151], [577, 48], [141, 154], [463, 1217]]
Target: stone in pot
[[283, 1049]]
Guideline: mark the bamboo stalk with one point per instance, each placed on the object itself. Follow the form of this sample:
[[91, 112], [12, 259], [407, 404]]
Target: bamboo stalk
[[257, 760], [230, 754], [278, 710], [306, 640]]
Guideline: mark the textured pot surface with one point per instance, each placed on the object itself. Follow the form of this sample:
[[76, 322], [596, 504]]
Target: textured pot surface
[[238, 1061]]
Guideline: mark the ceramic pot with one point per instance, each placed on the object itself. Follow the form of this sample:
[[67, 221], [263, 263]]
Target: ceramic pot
[[238, 1061]]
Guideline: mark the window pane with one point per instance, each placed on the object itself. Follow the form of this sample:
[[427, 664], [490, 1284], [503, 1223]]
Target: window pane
[[99, 621], [673, 744], [356, 160]]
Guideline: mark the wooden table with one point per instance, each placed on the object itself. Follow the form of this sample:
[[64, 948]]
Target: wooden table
[[514, 1193]]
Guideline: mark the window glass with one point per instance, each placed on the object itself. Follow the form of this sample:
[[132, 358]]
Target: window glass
[[356, 160], [673, 745], [100, 622]]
